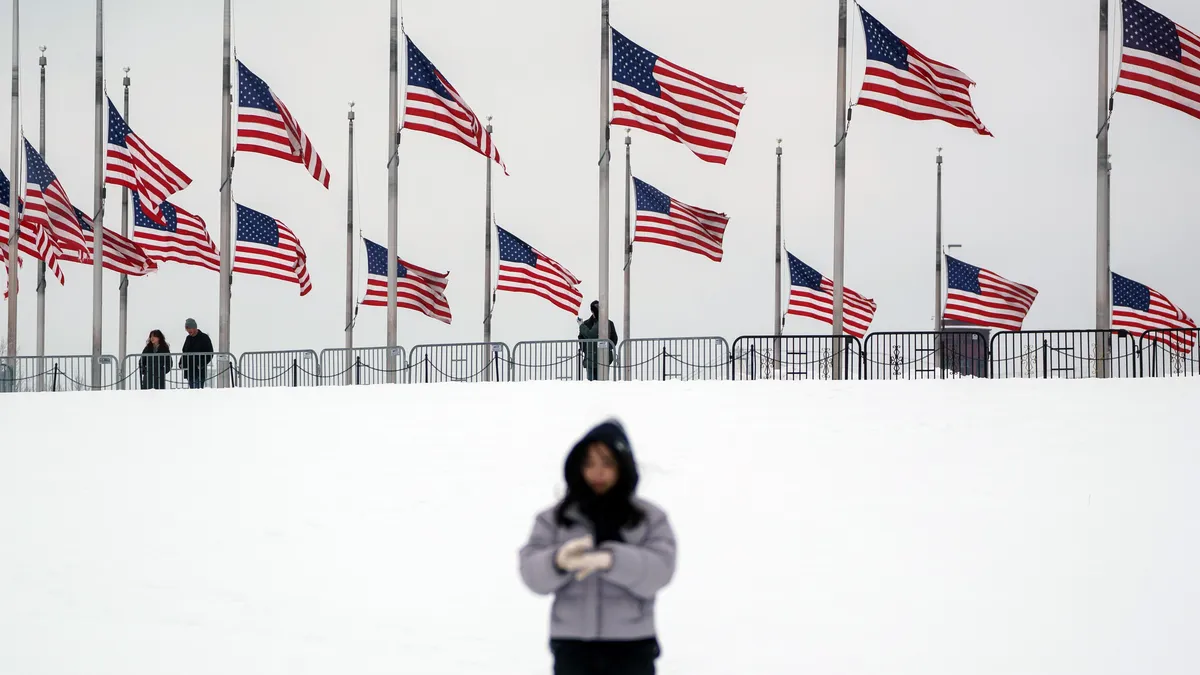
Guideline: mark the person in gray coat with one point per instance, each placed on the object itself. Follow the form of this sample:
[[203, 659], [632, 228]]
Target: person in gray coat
[[604, 554]]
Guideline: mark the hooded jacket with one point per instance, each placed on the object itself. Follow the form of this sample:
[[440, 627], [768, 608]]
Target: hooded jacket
[[617, 604]]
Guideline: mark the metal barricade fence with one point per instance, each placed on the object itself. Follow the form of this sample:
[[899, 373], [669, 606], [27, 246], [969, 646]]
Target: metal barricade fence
[[685, 359], [795, 357], [465, 362], [925, 355], [1064, 354], [293, 368], [57, 373], [361, 365], [560, 360], [1169, 353], [177, 371]]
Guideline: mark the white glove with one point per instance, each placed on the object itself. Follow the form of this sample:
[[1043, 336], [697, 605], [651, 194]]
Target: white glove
[[592, 561], [568, 555]]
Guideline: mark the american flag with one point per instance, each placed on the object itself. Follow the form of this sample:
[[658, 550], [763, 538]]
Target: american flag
[[812, 297], [33, 241], [181, 237], [266, 127], [902, 81], [983, 298], [652, 94], [417, 288], [434, 106], [524, 269], [267, 248], [1138, 308], [47, 206], [134, 165], [666, 221], [120, 254], [1160, 60]]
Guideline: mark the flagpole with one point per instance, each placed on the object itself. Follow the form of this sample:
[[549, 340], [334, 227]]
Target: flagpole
[[937, 264], [226, 190], [628, 231], [487, 257], [350, 243], [1103, 259], [98, 228], [777, 320], [41, 283], [123, 316], [393, 189], [14, 149], [839, 187], [605, 85]]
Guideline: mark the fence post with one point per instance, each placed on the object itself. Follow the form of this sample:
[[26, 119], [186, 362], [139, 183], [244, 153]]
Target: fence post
[[295, 373], [664, 365], [54, 381], [426, 360], [1045, 358], [753, 363], [357, 370]]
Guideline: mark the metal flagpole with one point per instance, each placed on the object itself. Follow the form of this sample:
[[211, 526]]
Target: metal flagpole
[[350, 244], [605, 85], [41, 283], [393, 189], [937, 265], [123, 316], [14, 232], [777, 320], [628, 231], [98, 229], [1103, 259], [839, 186], [487, 257], [226, 189]]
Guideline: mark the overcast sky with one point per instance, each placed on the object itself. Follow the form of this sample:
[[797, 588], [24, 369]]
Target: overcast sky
[[1021, 204]]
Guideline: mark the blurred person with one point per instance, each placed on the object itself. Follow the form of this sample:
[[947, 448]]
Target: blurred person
[[590, 330], [155, 361], [197, 353], [604, 554]]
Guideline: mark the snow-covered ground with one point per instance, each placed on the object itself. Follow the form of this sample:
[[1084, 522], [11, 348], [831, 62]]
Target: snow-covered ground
[[923, 528]]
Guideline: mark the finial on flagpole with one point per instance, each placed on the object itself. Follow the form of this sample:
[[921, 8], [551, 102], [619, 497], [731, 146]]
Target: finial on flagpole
[[779, 146], [42, 58], [350, 115], [939, 156], [628, 140]]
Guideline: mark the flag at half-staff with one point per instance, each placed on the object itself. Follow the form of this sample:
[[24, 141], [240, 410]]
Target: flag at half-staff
[[268, 248], [181, 237], [417, 288], [1140, 310], [666, 221], [1160, 59], [135, 165], [120, 254], [35, 240], [48, 206], [983, 298], [266, 127], [812, 297], [524, 269]]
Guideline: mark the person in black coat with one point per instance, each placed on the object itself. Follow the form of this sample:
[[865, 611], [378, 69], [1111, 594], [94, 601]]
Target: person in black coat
[[197, 353], [155, 361], [589, 332]]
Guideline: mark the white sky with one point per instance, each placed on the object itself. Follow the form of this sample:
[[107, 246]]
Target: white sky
[[1022, 204]]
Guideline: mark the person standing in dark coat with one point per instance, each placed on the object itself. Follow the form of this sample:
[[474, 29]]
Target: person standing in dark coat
[[155, 362], [590, 330], [197, 353], [604, 554]]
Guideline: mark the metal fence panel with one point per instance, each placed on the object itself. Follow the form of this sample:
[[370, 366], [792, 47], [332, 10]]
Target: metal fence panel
[[361, 365], [56, 373], [686, 359], [795, 357], [468, 362], [929, 355], [560, 360], [1169, 353], [293, 368], [187, 371], [1063, 354]]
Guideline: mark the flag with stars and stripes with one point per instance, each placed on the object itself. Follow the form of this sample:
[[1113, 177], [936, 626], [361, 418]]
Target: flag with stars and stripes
[[134, 165], [902, 81], [120, 254], [1140, 309], [812, 298], [983, 298], [266, 127], [417, 288], [652, 94], [267, 248], [434, 106], [48, 206], [181, 237], [669, 222], [524, 269], [33, 239], [1160, 60]]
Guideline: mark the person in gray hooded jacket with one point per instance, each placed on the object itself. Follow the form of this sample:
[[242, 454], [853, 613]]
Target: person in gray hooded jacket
[[604, 554]]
